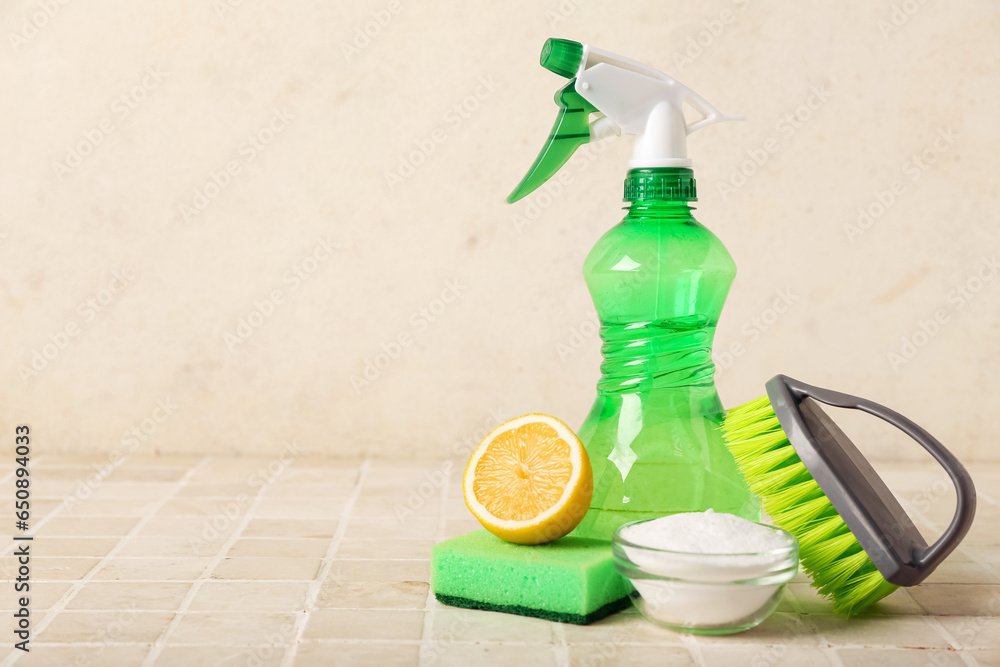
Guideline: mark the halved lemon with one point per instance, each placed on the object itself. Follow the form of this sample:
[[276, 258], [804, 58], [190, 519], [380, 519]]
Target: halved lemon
[[529, 481]]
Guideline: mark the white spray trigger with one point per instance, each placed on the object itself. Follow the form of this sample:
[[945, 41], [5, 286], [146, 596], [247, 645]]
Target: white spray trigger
[[639, 100]]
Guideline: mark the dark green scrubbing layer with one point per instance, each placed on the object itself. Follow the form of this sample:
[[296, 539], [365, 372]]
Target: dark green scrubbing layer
[[559, 617], [571, 580]]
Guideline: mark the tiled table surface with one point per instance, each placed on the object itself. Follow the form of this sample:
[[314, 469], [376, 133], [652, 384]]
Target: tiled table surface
[[261, 563]]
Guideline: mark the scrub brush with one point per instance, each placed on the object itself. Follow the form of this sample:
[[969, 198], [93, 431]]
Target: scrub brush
[[855, 540]]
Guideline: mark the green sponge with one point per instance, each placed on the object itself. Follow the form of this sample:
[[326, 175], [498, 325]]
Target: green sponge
[[571, 580]]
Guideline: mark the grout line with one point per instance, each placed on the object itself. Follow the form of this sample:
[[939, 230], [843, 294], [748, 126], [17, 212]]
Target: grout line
[[316, 585], [360, 560], [746, 644], [192, 516], [831, 655], [78, 585], [157, 647], [932, 620], [317, 557], [406, 642], [221, 612], [276, 538], [694, 648], [825, 646], [962, 654], [191, 581], [427, 635], [561, 648], [972, 556]]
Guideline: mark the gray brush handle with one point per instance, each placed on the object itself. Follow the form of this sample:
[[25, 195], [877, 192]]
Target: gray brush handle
[[922, 559]]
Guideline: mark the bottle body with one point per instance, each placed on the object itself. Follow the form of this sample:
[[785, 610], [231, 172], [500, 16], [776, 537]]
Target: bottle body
[[659, 280]]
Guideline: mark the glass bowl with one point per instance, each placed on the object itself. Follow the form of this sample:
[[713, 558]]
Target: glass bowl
[[702, 593]]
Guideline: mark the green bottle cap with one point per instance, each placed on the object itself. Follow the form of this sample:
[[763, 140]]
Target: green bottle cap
[[562, 56], [660, 184]]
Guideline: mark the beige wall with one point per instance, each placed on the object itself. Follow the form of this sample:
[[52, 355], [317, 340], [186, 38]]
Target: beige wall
[[140, 299]]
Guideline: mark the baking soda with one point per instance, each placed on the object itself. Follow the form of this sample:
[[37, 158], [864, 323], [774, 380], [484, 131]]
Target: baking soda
[[709, 569], [709, 533]]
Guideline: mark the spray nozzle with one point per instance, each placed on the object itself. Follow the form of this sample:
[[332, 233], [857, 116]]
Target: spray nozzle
[[562, 56], [631, 97]]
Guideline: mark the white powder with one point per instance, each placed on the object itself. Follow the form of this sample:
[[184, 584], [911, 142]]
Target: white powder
[[706, 533], [709, 580]]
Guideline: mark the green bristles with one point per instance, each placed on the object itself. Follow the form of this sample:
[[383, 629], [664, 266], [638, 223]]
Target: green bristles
[[831, 555]]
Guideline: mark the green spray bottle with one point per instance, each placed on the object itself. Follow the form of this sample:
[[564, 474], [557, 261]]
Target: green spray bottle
[[659, 280]]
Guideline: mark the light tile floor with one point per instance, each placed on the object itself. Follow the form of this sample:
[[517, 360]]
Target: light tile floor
[[262, 563]]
